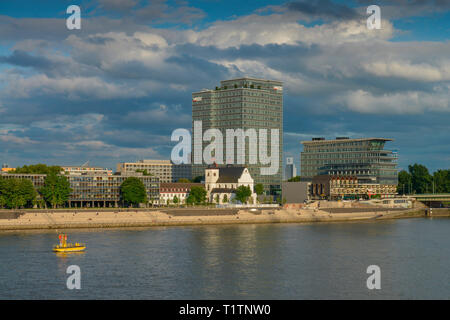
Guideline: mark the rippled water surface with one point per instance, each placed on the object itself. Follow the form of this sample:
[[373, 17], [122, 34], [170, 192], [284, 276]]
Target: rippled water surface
[[270, 261]]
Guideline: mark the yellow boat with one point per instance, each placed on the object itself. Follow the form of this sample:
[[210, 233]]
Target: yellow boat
[[63, 246]]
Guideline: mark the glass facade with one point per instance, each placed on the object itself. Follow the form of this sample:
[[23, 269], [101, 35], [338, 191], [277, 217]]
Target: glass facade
[[364, 158], [245, 103]]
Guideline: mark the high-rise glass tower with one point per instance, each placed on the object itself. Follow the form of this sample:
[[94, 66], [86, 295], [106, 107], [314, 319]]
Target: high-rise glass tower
[[290, 170], [244, 103]]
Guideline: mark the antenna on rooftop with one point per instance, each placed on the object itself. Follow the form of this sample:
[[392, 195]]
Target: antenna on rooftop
[[86, 164]]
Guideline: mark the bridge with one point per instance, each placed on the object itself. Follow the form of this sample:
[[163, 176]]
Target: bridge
[[432, 200], [431, 197]]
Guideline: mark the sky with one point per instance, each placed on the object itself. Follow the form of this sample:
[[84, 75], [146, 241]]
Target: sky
[[116, 89]]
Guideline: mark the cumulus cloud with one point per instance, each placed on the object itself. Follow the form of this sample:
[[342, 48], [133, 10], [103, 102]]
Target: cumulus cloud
[[117, 86], [412, 102]]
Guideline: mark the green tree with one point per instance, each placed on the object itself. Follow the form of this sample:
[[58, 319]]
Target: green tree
[[39, 168], [198, 195], [132, 191], [175, 200], [420, 178], [184, 180], [294, 179], [56, 189], [144, 172], [242, 193], [198, 179], [225, 199], [259, 189], [441, 179], [217, 199], [404, 182], [16, 193], [190, 200]]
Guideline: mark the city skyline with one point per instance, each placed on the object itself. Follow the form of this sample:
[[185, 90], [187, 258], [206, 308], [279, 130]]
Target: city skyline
[[116, 89]]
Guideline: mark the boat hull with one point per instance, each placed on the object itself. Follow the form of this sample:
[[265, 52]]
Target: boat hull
[[70, 249]]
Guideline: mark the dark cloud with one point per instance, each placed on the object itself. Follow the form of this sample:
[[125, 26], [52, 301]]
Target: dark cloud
[[325, 9], [23, 59]]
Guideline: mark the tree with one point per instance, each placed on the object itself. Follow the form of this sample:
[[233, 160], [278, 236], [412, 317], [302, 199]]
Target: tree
[[242, 193], [198, 179], [39, 168], [294, 179], [175, 200], [184, 180], [56, 189], [16, 193], [259, 189], [225, 199], [420, 178], [190, 200], [198, 195], [217, 199], [144, 172], [441, 179], [404, 182], [133, 192]]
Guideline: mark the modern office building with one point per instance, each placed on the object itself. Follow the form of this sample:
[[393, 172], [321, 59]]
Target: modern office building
[[290, 170], [94, 189], [244, 103], [165, 170], [103, 190], [363, 158]]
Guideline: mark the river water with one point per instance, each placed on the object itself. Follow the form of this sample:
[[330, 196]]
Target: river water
[[266, 261]]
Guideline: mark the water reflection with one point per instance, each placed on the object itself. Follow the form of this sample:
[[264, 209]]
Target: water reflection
[[273, 261]]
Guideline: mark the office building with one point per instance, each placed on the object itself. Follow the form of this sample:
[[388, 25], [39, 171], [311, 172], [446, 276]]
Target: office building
[[244, 103], [290, 170], [333, 187], [165, 170], [103, 190], [94, 189], [363, 158]]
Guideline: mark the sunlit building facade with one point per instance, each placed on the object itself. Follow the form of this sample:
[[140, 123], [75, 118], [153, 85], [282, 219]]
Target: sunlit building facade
[[244, 103]]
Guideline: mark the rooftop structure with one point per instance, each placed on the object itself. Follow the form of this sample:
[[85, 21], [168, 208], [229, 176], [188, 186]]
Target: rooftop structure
[[165, 170]]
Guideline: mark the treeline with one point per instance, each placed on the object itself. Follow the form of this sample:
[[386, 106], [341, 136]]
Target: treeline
[[39, 168], [20, 193], [418, 180]]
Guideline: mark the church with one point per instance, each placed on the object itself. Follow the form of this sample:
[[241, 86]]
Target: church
[[222, 181]]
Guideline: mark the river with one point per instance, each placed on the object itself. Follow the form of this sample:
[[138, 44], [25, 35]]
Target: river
[[264, 261]]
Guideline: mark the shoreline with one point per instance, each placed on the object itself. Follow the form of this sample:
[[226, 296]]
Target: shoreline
[[92, 219]]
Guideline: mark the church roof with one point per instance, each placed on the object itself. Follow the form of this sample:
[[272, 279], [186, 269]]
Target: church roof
[[230, 174]]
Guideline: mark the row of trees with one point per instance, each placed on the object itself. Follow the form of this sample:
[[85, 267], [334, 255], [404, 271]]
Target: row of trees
[[19, 193], [419, 180]]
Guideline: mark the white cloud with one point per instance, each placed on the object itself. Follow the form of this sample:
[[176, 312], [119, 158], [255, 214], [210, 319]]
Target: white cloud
[[407, 70], [411, 102]]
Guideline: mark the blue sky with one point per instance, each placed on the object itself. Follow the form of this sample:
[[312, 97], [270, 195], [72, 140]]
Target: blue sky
[[116, 89]]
